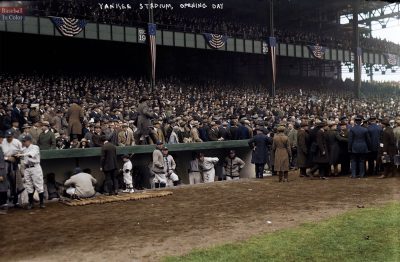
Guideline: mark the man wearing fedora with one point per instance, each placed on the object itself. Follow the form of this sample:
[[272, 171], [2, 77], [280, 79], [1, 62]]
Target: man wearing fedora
[[47, 139], [375, 133], [388, 148], [359, 146]]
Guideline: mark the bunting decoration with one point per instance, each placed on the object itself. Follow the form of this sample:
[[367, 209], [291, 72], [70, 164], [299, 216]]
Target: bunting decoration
[[69, 26], [215, 41], [317, 51], [392, 59]]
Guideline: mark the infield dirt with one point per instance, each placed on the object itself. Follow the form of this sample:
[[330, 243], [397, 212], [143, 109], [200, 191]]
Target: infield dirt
[[193, 217]]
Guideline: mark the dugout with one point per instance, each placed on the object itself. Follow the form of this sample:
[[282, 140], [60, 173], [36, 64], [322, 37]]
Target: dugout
[[63, 162]]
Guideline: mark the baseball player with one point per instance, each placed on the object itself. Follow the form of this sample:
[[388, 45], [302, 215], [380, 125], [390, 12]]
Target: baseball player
[[206, 165], [33, 173], [127, 172], [232, 166], [160, 180], [169, 167]]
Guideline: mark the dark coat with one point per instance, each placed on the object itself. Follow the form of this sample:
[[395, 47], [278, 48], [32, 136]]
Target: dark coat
[[260, 144], [225, 133], [359, 140], [75, 117], [303, 147], [3, 173], [47, 141], [109, 157], [321, 154], [333, 137], [17, 115], [243, 133], [213, 135], [375, 132], [233, 130], [389, 142], [144, 119]]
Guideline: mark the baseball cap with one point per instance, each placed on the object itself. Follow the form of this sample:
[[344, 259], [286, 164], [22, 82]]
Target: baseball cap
[[8, 133]]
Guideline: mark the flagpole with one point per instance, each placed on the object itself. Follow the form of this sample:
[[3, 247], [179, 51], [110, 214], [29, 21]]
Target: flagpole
[[356, 44], [272, 50], [151, 20]]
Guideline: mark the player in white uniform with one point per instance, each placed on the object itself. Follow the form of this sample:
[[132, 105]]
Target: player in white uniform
[[127, 172], [169, 167], [33, 173], [206, 165]]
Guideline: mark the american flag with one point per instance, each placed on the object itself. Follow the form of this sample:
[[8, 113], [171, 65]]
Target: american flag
[[68, 26], [152, 30], [272, 45]]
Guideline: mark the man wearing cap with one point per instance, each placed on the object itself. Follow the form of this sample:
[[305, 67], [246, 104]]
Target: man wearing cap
[[17, 114], [15, 129], [388, 148], [194, 170], [81, 184], [26, 131], [157, 168], [47, 139], [35, 132], [375, 133], [33, 173], [303, 149], [232, 166], [359, 144], [127, 174], [170, 166], [224, 131], [11, 147]]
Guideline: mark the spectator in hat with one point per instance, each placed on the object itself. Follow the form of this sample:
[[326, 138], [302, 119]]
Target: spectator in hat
[[75, 116], [281, 154], [194, 132], [35, 132], [17, 113], [125, 136], [344, 157], [15, 129], [375, 133], [47, 139], [260, 144], [145, 115], [320, 149], [359, 145], [303, 149], [25, 131], [232, 166], [84, 143], [3, 179], [224, 131], [173, 138], [109, 165], [389, 149]]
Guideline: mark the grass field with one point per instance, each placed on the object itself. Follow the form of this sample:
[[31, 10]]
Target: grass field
[[366, 234]]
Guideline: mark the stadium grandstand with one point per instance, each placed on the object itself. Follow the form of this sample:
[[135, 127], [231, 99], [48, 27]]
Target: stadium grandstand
[[188, 93]]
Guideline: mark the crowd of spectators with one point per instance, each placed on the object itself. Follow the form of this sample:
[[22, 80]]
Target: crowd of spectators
[[184, 111], [206, 21]]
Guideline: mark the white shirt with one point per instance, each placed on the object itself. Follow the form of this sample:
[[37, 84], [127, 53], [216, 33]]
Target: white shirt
[[208, 163], [169, 163], [127, 166], [31, 155], [13, 148]]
